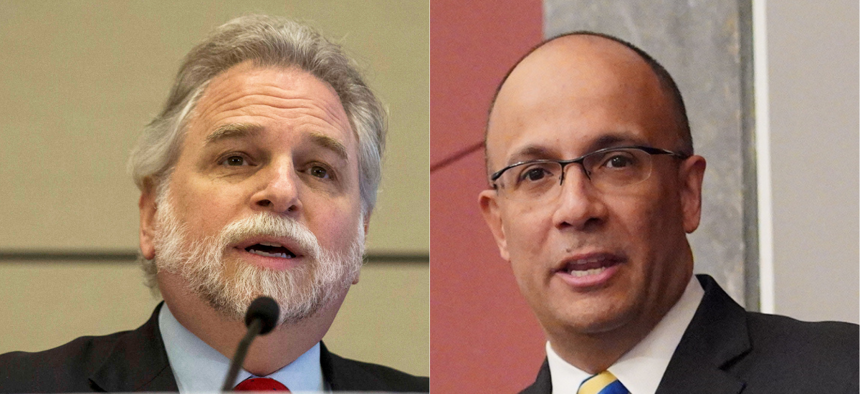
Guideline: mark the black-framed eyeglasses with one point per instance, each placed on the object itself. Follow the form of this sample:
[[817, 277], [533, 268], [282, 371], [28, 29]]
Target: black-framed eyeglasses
[[608, 169]]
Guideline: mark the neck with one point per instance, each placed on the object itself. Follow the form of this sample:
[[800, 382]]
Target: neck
[[595, 352], [268, 353]]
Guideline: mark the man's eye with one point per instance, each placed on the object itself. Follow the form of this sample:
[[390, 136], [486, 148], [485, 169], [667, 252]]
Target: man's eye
[[620, 161], [535, 173], [319, 172], [234, 161]]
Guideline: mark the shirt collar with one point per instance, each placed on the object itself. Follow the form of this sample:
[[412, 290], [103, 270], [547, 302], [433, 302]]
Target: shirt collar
[[198, 367], [641, 368]]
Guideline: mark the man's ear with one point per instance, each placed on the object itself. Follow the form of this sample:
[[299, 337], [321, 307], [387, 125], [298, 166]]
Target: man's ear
[[488, 200], [147, 220], [366, 222], [692, 173], [366, 226]]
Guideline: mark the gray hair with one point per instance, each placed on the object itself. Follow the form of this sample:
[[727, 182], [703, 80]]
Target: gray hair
[[266, 41]]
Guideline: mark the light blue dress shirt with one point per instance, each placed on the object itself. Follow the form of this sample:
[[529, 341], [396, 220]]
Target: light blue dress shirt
[[198, 367]]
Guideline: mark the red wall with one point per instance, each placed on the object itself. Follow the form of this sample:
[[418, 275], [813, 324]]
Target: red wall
[[484, 338]]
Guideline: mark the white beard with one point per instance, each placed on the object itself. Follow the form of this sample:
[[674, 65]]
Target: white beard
[[300, 291]]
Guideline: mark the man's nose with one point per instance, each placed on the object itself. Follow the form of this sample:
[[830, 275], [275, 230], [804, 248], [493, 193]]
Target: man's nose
[[279, 189], [579, 205]]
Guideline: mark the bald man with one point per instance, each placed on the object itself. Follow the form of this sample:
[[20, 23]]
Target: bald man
[[594, 188]]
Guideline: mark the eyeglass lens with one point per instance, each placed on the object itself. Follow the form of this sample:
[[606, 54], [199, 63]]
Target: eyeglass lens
[[607, 171]]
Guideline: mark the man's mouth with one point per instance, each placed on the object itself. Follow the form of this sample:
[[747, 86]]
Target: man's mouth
[[270, 250], [589, 265]]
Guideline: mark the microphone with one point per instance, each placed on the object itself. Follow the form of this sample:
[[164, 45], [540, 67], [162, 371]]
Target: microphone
[[261, 318]]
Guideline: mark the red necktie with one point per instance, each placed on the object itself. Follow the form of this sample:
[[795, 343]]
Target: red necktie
[[260, 384]]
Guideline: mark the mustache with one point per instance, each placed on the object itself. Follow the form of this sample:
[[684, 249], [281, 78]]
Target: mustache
[[268, 224]]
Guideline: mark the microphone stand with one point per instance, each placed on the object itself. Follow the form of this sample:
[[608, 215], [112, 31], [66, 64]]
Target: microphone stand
[[253, 330]]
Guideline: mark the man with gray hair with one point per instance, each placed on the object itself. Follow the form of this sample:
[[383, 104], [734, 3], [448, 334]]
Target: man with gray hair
[[257, 178]]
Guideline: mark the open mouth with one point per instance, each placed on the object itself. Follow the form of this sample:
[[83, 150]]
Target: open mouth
[[591, 265], [270, 250]]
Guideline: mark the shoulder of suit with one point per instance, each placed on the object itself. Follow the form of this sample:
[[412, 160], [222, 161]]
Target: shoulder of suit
[[789, 333], [378, 377], [810, 356], [63, 368]]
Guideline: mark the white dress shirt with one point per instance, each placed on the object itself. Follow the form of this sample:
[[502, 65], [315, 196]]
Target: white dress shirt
[[640, 369], [198, 367]]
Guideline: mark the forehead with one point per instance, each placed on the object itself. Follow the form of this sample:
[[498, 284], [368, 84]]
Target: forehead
[[574, 92], [275, 98]]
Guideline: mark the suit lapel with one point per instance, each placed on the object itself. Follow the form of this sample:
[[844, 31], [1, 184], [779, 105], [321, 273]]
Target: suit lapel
[[347, 375], [543, 382], [717, 335], [138, 362], [338, 374]]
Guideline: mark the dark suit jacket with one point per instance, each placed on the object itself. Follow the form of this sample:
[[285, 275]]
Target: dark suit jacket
[[136, 361], [729, 350]]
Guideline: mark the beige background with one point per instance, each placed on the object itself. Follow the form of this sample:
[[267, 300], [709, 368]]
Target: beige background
[[80, 79], [813, 58]]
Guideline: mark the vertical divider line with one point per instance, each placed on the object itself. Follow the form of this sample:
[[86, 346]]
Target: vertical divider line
[[762, 143]]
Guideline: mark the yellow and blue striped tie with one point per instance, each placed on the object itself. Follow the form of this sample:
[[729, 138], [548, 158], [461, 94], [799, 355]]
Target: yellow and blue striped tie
[[602, 383]]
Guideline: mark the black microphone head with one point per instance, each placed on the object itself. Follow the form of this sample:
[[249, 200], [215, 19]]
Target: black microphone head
[[265, 309]]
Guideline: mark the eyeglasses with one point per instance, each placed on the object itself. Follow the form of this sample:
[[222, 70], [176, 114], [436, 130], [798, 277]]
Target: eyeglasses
[[609, 169]]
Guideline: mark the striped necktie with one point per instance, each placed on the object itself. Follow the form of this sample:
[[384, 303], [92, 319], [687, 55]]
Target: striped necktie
[[602, 383]]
